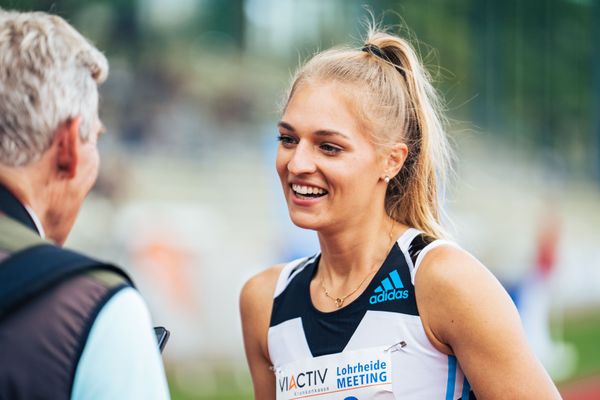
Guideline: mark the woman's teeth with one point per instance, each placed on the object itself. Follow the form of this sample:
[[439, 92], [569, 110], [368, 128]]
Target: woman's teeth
[[308, 190]]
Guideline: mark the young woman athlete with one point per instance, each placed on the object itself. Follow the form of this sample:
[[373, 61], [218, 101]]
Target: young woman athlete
[[388, 309]]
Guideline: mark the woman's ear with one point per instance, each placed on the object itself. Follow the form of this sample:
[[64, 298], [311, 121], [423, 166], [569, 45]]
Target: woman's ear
[[395, 159], [67, 141]]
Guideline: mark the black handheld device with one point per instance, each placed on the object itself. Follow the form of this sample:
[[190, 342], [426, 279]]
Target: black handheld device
[[162, 335]]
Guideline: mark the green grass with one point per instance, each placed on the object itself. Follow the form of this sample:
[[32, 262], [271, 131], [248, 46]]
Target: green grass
[[221, 382], [228, 395], [583, 332]]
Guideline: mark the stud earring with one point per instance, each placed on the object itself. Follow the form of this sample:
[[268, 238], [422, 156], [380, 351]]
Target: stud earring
[[386, 179]]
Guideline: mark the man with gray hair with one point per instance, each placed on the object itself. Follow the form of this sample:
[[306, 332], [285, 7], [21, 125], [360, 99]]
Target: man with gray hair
[[88, 335]]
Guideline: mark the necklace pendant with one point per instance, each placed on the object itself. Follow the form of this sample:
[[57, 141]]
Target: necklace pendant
[[339, 302]]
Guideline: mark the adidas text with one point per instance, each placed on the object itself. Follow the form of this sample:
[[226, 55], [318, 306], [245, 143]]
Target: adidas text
[[388, 296]]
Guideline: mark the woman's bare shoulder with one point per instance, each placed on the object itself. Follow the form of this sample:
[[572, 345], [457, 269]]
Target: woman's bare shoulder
[[452, 287], [261, 287], [447, 265]]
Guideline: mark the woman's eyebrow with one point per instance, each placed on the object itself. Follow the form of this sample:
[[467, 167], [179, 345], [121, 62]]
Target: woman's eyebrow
[[329, 132], [285, 125], [320, 132]]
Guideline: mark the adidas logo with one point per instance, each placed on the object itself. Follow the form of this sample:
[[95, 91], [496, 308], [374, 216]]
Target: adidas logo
[[390, 289]]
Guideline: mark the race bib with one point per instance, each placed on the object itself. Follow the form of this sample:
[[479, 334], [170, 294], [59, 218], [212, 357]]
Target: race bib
[[352, 375]]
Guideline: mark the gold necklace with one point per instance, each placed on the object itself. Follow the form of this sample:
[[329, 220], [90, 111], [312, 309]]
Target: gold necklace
[[339, 301]]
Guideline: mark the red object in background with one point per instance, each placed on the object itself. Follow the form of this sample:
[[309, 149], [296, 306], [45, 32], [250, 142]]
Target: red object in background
[[582, 390], [547, 249], [167, 265]]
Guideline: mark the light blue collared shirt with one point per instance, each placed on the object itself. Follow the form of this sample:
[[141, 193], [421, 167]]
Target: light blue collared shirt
[[121, 359]]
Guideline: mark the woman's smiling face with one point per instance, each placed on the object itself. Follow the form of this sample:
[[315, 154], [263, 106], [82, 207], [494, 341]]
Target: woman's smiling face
[[329, 169]]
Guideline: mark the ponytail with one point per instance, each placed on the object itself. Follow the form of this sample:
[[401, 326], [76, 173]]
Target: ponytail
[[412, 196]]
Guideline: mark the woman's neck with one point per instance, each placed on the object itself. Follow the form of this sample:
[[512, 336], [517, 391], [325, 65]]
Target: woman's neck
[[354, 251]]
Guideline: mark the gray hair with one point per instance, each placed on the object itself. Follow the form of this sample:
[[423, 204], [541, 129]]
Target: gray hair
[[48, 74]]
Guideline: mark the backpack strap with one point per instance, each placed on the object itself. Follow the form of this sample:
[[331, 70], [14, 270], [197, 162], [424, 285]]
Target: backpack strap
[[15, 236], [36, 265], [28, 272]]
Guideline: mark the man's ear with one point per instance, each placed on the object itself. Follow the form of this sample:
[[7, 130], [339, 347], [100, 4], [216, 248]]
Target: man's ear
[[395, 159], [67, 147]]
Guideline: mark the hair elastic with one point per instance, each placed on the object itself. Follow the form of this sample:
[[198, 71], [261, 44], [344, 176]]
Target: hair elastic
[[385, 56]]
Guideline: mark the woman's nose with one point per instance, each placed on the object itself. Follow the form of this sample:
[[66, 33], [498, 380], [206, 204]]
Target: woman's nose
[[302, 161]]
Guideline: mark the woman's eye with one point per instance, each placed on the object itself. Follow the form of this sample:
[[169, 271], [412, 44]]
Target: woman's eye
[[286, 140], [330, 149]]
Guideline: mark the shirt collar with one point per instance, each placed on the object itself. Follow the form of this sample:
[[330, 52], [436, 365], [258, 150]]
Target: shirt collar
[[36, 221]]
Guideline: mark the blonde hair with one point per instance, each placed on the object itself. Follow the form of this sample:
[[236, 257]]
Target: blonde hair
[[396, 104], [48, 74]]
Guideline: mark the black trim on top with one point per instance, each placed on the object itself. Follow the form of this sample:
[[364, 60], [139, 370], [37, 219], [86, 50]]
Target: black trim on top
[[470, 396], [417, 245], [12, 207], [300, 266]]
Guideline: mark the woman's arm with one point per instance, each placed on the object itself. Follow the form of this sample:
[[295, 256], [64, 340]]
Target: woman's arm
[[466, 312], [256, 303]]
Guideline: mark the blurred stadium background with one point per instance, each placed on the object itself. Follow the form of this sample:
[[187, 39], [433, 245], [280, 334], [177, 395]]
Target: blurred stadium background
[[189, 202]]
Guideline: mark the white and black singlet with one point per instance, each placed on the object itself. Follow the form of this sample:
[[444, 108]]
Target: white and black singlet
[[373, 348]]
